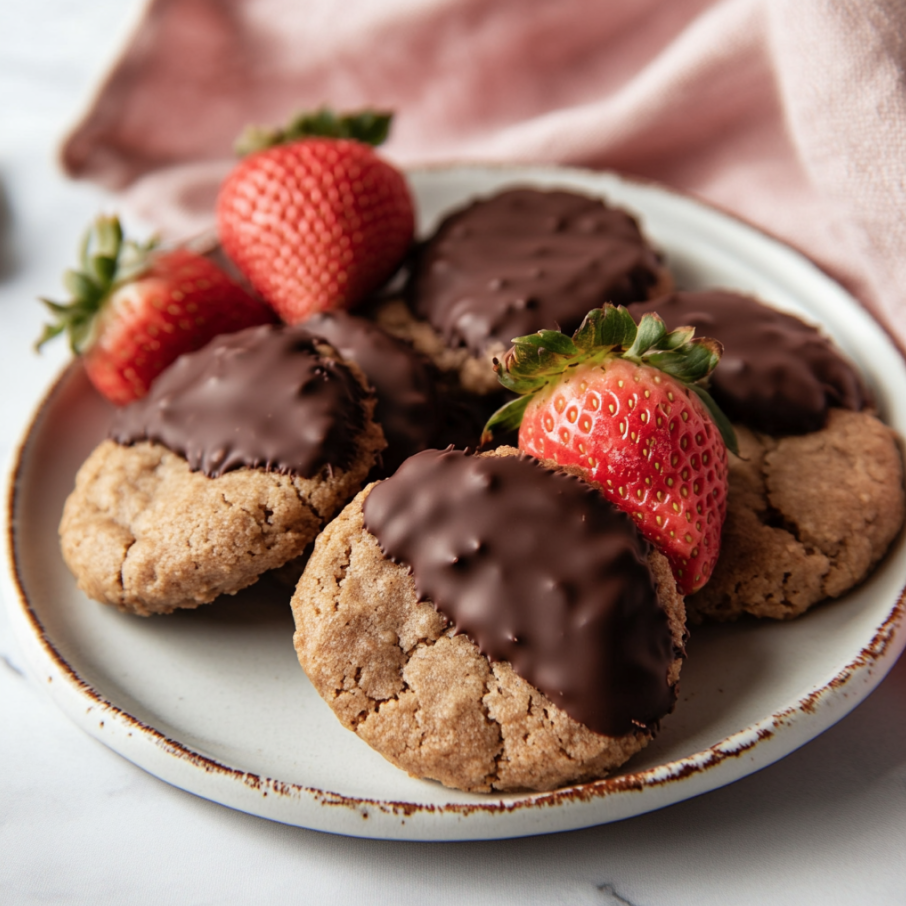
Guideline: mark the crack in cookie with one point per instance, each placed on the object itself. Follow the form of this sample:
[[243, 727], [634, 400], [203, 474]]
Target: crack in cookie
[[143, 532], [425, 697], [808, 518]]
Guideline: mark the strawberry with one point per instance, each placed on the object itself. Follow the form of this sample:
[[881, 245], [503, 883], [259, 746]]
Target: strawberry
[[623, 405], [313, 217], [135, 308]]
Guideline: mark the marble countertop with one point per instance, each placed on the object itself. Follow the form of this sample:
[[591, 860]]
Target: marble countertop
[[79, 824]]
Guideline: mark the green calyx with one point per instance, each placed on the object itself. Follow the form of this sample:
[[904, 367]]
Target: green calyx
[[371, 127], [536, 360], [106, 262]]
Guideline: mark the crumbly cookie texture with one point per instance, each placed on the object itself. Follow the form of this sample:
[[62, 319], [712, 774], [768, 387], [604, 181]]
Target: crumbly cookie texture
[[474, 374], [144, 533], [428, 700], [808, 518]]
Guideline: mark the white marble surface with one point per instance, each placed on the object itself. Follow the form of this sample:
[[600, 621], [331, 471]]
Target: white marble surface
[[78, 824]]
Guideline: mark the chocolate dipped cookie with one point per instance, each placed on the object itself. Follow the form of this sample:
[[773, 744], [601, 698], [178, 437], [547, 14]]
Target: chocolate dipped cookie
[[816, 495], [516, 262], [228, 468], [492, 624], [409, 404]]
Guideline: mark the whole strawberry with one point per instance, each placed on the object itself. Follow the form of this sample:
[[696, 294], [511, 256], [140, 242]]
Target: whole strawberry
[[312, 216], [134, 309], [621, 403]]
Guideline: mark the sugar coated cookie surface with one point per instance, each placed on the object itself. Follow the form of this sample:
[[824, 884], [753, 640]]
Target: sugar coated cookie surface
[[228, 468], [809, 516], [416, 679]]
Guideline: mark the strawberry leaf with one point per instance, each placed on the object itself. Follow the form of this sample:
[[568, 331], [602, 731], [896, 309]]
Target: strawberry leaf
[[507, 418], [50, 331], [651, 331], [676, 338], [608, 326], [101, 268], [107, 237], [694, 363], [721, 420], [56, 308], [85, 249], [550, 340], [586, 337], [79, 333], [526, 367], [609, 332], [80, 285], [106, 263], [371, 127]]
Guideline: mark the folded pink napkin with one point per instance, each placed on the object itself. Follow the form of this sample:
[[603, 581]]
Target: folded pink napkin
[[789, 113]]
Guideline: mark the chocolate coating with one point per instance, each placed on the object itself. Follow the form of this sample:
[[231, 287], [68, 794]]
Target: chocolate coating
[[537, 569], [263, 397], [778, 374], [407, 402], [526, 259]]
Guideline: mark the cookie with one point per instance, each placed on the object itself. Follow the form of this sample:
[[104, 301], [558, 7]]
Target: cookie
[[517, 262], [412, 407], [818, 494], [228, 468], [777, 375], [809, 516], [525, 638], [416, 408]]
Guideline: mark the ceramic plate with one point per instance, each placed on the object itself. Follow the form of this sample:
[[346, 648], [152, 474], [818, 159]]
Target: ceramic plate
[[213, 700]]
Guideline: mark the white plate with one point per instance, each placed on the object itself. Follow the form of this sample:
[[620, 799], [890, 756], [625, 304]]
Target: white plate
[[213, 700]]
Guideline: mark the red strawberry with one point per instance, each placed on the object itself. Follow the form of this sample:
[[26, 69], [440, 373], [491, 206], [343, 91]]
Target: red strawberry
[[135, 309], [316, 223], [621, 403]]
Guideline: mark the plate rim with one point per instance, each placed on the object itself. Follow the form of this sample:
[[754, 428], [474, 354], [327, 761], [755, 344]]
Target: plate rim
[[737, 755]]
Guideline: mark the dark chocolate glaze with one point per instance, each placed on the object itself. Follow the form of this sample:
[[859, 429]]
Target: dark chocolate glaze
[[524, 260], [263, 397], [407, 402], [537, 569], [777, 374]]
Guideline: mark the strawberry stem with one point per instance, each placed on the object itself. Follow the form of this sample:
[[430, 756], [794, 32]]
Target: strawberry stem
[[536, 360], [371, 127]]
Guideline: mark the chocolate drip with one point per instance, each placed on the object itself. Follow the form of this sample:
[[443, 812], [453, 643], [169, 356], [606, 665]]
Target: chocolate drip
[[538, 570], [525, 260], [778, 374], [262, 397], [407, 403]]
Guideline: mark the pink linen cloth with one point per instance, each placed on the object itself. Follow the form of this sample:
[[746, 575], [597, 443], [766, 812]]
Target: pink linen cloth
[[788, 113]]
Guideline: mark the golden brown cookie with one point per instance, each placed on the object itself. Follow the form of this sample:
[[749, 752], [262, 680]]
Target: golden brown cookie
[[144, 533], [396, 673], [808, 518], [227, 469]]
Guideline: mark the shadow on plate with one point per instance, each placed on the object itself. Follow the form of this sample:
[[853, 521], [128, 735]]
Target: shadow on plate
[[724, 664], [264, 604]]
